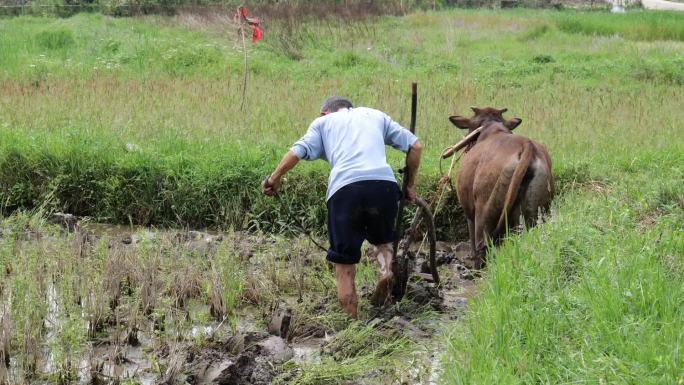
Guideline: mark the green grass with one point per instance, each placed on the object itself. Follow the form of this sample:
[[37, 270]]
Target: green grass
[[139, 120], [634, 25], [594, 295]]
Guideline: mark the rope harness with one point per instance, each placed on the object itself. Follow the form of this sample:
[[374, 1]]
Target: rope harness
[[445, 181]]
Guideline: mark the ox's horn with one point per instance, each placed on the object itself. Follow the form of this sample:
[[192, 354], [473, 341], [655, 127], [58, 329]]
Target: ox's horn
[[475, 109], [504, 110]]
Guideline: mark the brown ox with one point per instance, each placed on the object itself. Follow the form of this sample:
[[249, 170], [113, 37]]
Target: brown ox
[[503, 178]]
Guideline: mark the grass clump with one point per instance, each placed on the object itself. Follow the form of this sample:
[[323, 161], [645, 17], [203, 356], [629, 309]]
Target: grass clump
[[183, 59], [55, 39], [536, 32], [660, 71]]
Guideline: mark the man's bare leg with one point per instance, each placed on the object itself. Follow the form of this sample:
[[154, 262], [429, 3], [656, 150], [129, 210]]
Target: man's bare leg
[[384, 254], [346, 288]]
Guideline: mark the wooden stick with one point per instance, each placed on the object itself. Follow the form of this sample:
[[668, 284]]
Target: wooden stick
[[451, 150], [244, 50]]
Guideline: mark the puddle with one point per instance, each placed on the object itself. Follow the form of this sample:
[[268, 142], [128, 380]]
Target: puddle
[[308, 351], [435, 368], [51, 324], [107, 363]]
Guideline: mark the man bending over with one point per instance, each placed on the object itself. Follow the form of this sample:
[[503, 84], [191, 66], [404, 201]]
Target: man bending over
[[363, 195]]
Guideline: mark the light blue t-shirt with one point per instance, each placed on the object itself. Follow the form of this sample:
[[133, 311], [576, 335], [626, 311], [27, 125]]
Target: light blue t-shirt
[[353, 142]]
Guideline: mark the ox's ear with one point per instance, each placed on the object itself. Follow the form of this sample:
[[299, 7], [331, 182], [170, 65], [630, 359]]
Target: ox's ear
[[461, 122], [512, 123]]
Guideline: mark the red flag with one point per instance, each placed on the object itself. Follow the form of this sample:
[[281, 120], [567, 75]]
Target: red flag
[[257, 33]]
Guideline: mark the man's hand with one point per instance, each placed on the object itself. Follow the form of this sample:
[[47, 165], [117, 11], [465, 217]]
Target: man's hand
[[412, 163], [270, 186], [410, 194]]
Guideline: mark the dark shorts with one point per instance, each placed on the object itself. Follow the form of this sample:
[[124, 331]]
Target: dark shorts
[[360, 211]]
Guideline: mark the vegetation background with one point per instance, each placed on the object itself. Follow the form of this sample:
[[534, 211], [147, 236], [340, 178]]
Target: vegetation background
[[140, 120]]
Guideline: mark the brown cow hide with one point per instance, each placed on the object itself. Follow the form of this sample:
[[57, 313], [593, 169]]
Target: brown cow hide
[[504, 180]]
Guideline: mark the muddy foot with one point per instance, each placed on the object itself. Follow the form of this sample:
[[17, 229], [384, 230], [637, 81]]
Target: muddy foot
[[381, 294]]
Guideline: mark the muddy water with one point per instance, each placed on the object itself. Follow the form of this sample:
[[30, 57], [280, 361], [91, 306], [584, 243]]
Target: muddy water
[[216, 352], [308, 351], [111, 363]]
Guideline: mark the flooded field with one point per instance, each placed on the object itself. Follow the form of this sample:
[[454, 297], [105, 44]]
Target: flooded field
[[86, 303]]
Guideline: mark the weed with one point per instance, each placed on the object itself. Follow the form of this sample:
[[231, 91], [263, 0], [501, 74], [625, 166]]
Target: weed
[[536, 32], [5, 337], [665, 72], [636, 25], [543, 59], [57, 39]]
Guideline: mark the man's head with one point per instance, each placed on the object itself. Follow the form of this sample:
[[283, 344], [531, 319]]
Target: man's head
[[334, 103]]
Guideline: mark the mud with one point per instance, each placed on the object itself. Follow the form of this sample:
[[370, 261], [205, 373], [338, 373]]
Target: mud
[[251, 351], [251, 359], [279, 323]]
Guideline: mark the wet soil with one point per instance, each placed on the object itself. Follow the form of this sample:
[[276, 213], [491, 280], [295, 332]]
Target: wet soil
[[252, 351]]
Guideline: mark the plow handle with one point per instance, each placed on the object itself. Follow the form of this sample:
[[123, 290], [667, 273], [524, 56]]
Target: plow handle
[[414, 104], [399, 267]]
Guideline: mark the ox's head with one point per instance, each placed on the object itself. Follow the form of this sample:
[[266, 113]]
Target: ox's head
[[484, 117]]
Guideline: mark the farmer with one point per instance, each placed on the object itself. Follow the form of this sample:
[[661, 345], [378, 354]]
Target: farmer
[[362, 195]]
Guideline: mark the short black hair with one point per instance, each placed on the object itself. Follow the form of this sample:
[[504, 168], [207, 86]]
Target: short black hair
[[334, 103]]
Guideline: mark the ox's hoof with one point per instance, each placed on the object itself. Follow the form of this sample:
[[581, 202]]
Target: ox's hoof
[[474, 263]]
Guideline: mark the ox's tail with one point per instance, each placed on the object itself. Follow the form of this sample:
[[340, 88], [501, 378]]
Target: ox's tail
[[526, 158]]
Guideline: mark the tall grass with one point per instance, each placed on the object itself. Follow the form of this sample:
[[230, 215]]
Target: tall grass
[[594, 295], [635, 25], [139, 120], [266, 9]]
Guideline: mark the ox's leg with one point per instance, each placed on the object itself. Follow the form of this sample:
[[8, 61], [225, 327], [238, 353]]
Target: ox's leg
[[471, 232], [480, 247]]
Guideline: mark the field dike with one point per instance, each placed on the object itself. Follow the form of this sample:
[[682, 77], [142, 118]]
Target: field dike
[[167, 307], [138, 190], [143, 190]]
